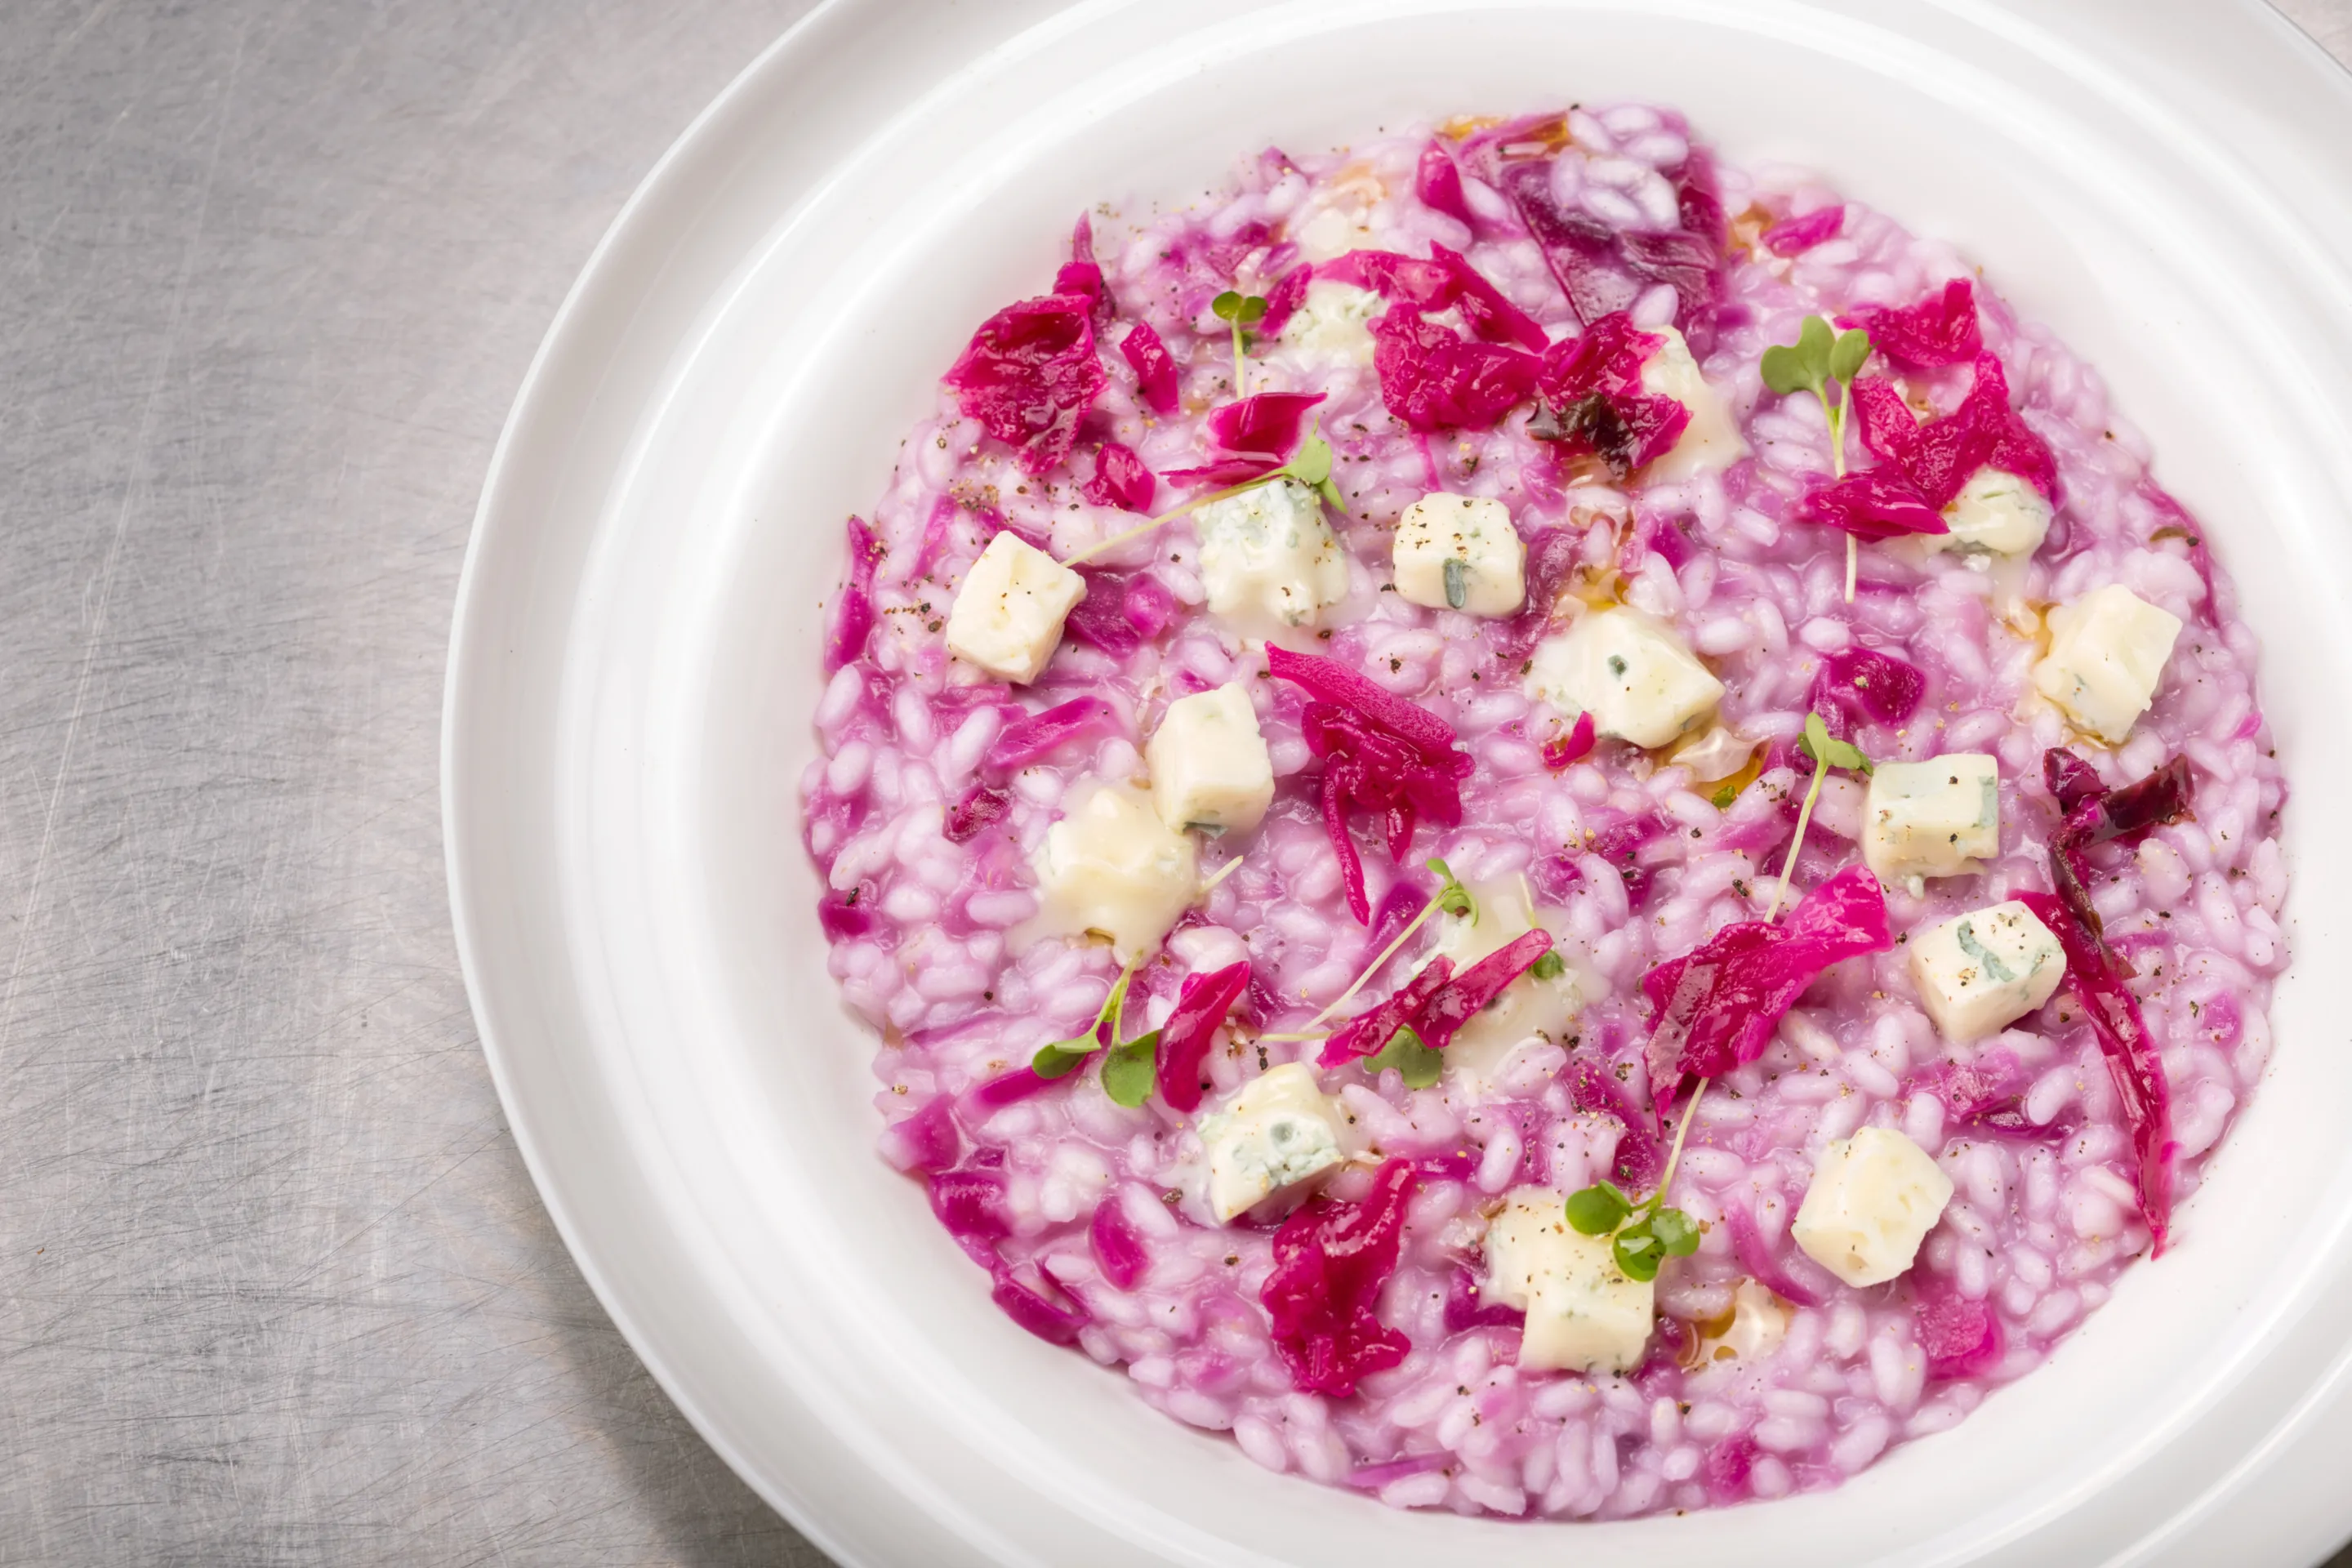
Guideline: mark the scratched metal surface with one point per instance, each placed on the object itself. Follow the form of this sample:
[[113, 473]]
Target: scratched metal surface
[[275, 1288]]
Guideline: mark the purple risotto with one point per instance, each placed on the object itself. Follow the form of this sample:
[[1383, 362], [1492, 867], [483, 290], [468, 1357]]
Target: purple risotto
[[1554, 829]]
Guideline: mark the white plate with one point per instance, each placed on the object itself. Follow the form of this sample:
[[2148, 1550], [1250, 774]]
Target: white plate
[[634, 663]]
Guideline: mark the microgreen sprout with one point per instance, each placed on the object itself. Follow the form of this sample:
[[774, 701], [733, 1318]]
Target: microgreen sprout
[[1642, 1235], [1414, 1061], [1238, 311], [1550, 966], [1130, 1070], [1310, 466], [1056, 1060], [1819, 360], [1826, 753], [1452, 898]]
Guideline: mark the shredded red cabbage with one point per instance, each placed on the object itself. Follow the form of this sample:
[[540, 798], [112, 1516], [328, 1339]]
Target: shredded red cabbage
[[1030, 374], [979, 807], [1040, 735], [1939, 458], [1435, 379], [1962, 1338], [1120, 613], [1795, 236], [1594, 402], [1379, 752], [1154, 366], [1876, 503], [1250, 439], [1552, 555], [1202, 1004], [2124, 816], [1728, 1464], [1438, 183], [1119, 479], [1858, 685], [1117, 1244], [971, 1204], [1011, 1087], [849, 913], [1330, 1260], [1055, 1322], [1079, 275], [1937, 329], [928, 1141], [853, 612], [1719, 1004], [1282, 300], [1368, 1032], [1562, 751], [1748, 1247], [1459, 1000], [2132, 1057], [2069, 778]]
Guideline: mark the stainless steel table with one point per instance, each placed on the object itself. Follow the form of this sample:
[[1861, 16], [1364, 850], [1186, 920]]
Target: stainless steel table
[[276, 1286]]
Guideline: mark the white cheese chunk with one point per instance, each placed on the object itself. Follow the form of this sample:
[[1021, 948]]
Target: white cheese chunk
[[1332, 325], [1276, 1132], [1981, 971], [1629, 671], [1936, 818], [1268, 561], [2108, 652], [1531, 1008], [1007, 615], [1751, 1331], [1460, 553], [1209, 763], [1111, 866], [1710, 443], [1583, 1314], [1995, 511], [1874, 1198]]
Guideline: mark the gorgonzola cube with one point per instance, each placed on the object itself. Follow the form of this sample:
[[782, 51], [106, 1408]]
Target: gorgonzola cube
[[1872, 1200], [1531, 1007], [1007, 615], [1710, 443], [1276, 1132], [1460, 553], [1268, 561], [1209, 763], [1981, 971], [1332, 325], [1111, 866], [1936, 818], [1633, 673], [1995, 511], [2108, 652], [1583, 1314]]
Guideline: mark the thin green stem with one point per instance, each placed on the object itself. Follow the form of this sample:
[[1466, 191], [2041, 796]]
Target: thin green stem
[[1804, 815], [1674, 1156], [1116, 540], [1837, 472], [1241, 372]]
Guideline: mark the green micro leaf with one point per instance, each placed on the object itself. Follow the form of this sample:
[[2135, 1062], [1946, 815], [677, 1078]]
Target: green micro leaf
[[1252, 311], [1550, 966], [1418, 1065], [1458, 582], [1638, 1253], [1723, 796], [1131, 1069], [1598, 1209], [1311, 464], [1227, 306], [1056, 1059], [1451, 896], [1676, 1232], [1853, 347], [1817, 744]]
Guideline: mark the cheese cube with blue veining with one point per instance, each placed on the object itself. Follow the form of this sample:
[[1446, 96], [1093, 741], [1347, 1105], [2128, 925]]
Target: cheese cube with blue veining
[[1981, 971], [1460, 553], [1996, 512], [1583, 1314], [1210, 767], [1872, 1200], [1111, 867], [1631, 671], [1937, 819], [1268, 561], [1277, 1131], [2107, 653]]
